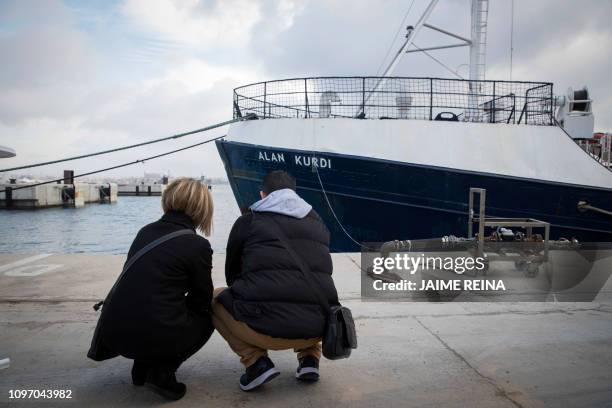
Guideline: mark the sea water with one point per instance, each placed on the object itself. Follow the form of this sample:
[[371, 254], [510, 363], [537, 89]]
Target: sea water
[[101, 228]]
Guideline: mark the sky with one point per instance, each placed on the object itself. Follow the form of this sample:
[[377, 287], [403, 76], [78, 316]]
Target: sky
[[82, 76]]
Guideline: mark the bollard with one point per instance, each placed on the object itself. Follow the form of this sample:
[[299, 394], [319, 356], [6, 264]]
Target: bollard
[[105, 193], [8, 196]]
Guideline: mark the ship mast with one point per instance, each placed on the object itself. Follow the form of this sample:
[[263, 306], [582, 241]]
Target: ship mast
[[477, 44], [478, 56]]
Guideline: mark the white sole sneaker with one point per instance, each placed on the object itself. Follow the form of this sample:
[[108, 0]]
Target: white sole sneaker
[[307, 374], [261, 380]]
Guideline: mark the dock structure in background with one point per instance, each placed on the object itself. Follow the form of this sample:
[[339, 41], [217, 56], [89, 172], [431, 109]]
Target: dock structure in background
[[19, 196], [148, 189], [151, 184]]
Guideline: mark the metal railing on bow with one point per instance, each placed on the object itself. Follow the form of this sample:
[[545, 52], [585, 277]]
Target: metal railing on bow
[[509, 102]]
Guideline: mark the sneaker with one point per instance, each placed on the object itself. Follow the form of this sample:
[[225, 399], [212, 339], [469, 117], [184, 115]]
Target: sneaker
[[258, 374], [163, 381], [139, 372], [308, 370]]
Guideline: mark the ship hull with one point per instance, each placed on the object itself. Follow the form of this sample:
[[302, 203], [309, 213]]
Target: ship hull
[[378, 200]]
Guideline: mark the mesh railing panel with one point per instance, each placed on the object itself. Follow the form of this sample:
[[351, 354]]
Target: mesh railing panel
[[398, 98]]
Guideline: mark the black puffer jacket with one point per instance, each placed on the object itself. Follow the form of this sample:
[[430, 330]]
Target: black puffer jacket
[[160, 309], [267, 290]]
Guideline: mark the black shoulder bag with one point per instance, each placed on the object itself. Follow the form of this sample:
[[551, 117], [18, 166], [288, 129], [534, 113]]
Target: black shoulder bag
[[97, 351], [340, 336]]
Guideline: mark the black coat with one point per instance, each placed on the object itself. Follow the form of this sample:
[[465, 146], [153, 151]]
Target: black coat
[[160, 308], [266, 288]]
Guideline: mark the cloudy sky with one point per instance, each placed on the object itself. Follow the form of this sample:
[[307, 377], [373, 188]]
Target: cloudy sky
[[79, 76]]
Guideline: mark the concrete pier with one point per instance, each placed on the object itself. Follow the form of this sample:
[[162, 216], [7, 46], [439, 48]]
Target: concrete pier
[[54, 195], [141, 189], [409, 355]]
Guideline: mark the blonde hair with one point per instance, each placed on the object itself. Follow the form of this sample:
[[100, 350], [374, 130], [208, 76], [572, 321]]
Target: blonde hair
[[192, 198]]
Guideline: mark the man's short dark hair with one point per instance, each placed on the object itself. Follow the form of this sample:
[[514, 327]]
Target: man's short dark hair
[[277, 180]]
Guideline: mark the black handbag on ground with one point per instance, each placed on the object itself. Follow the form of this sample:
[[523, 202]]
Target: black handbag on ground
[[97, 351], [340, 336]]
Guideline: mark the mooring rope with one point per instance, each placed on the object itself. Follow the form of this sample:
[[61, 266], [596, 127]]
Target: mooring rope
[[331, 209], [117, 149], [117, 166]]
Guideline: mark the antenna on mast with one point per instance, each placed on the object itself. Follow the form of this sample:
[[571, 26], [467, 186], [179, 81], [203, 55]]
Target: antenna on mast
[[478, 47], [478, 55]]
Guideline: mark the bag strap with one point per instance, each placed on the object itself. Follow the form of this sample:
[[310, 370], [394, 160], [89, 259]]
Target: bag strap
[[304, 268], [152, 245], [142, 251]]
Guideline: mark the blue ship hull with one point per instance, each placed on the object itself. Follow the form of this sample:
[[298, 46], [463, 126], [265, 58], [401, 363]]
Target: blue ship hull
[[379, 200]]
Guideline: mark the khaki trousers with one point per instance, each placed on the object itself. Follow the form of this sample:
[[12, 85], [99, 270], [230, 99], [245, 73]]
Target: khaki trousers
[[251, 345]]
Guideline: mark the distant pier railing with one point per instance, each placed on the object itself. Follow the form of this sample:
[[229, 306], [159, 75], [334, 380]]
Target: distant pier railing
[[509, 102]]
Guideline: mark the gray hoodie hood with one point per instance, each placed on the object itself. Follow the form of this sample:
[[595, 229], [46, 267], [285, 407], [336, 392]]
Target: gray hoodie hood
[[285, 201]]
